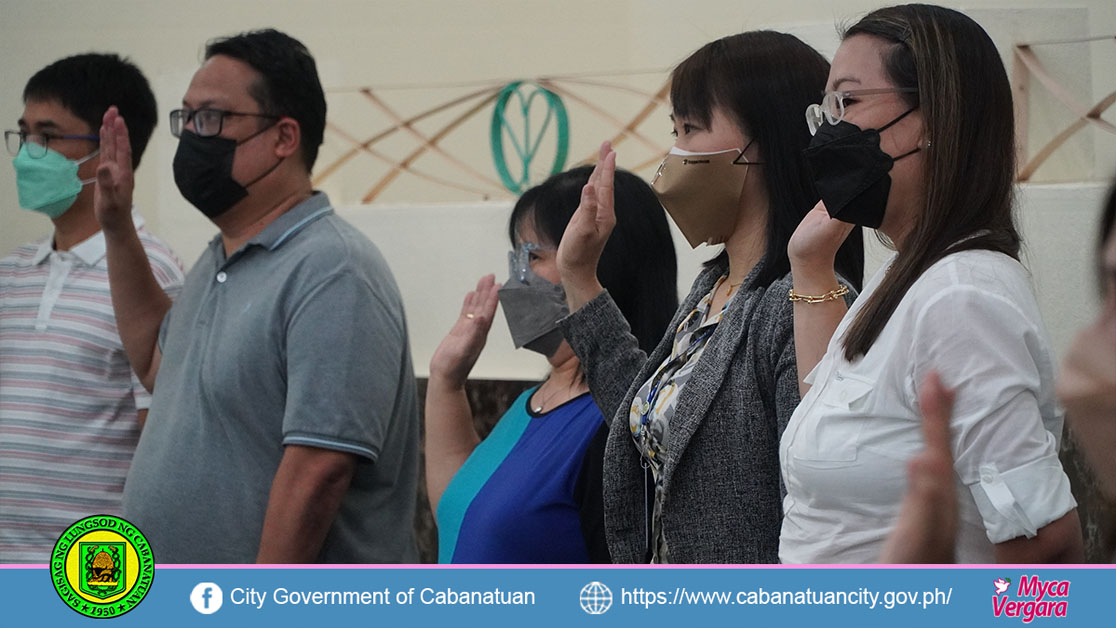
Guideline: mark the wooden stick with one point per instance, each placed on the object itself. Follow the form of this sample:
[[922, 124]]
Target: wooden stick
[[597, 110], [1021, 94], [418, 173], [643, 114], [1052, 145], [437, 137], [1081, 40], [1027, 56], [328, 170], [401, 123]]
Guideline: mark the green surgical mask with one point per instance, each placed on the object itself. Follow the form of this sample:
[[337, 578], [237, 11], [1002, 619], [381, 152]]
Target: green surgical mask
[[49, 184]]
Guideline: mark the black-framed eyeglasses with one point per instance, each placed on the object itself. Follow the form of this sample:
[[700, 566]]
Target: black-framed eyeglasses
[[37, 142], [207, 122]]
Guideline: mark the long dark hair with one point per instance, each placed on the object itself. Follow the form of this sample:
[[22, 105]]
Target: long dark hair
[[965, 100], [764, 81], [637, 267]]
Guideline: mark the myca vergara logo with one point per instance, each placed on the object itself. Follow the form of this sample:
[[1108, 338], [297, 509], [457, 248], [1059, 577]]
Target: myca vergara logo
[[1035, 598], [102, 566]]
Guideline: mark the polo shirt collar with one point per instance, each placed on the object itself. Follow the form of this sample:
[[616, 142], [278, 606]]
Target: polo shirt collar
[[89, 251], [292, 221]]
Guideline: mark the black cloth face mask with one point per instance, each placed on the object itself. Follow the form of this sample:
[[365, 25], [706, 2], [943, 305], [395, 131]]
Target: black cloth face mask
[[203, 172], [850, 171]]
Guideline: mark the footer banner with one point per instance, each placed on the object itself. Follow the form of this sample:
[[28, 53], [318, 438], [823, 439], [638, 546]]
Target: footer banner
[[215, 595]]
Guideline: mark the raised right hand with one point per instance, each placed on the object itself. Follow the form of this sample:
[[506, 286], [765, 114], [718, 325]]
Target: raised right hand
[[455, 356], [112, 196], [588, 230], [587, 233]]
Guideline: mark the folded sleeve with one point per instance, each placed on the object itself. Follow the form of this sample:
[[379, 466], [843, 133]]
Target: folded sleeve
[[1004, 421], [140, 394]]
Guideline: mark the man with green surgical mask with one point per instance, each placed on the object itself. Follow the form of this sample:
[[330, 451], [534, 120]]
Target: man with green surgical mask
[[70, 407]]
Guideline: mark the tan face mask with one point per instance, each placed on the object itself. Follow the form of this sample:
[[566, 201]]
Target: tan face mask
[[701, 192], [1087, 390]]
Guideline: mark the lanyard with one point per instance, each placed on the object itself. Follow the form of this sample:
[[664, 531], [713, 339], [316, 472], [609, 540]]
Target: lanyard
[[671, 367]]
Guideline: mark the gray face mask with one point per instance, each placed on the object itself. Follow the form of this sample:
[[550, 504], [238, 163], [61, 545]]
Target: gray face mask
[[533, 306]]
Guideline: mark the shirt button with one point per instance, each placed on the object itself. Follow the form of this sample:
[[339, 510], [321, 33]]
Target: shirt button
[[221, 277], [987, 477]]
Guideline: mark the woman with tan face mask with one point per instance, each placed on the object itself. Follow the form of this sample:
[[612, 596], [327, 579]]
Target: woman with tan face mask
[[691, 467], [914, 137]]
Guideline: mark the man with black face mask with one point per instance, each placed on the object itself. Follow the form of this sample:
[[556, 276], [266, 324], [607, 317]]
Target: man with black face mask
[[284, 424]]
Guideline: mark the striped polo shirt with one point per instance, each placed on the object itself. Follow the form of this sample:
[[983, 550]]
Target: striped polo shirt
[[68, 397]]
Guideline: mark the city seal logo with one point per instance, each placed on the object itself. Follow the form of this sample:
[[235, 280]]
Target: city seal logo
[[102, 566]]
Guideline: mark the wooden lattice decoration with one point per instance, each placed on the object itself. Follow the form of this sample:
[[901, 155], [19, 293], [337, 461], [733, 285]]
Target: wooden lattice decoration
[[1028, 66], [480, 101]]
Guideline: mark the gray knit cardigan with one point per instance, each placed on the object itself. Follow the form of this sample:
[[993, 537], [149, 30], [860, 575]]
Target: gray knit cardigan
[[722, 490]]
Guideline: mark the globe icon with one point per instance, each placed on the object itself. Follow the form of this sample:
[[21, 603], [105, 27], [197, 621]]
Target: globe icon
[[596, 598]]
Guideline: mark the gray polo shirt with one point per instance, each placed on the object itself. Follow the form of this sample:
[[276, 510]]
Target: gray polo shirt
[[298, 338]]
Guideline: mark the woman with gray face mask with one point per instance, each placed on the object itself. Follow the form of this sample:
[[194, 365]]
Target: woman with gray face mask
[[531, 491]]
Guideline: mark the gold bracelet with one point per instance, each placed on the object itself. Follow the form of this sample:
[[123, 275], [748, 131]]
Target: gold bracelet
[[832, 295]]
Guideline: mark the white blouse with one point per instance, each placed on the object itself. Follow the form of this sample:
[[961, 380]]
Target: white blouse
[[972, 317]]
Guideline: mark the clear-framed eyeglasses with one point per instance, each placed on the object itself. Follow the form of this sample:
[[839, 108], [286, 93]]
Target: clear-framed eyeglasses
[[207, 122], [520, 258], [37, 143], [832, 107]]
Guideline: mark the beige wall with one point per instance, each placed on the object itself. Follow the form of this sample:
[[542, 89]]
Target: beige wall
[[429, 43]]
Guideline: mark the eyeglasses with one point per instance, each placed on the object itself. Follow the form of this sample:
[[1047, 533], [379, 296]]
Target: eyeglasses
[[37, 142], [832, 107], [207, 122], [520, 258]]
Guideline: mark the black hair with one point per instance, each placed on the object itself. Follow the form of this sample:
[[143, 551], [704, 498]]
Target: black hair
[[288, 84], [638, 265], [764, 81], [88, 84]]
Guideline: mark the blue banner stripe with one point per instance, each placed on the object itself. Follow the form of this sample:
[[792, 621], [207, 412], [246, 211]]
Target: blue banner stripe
[[598, 597]]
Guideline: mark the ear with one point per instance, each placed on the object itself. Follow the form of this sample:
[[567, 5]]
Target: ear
[[290, 137]]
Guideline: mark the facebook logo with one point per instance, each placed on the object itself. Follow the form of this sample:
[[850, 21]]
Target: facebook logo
[[207, 598]]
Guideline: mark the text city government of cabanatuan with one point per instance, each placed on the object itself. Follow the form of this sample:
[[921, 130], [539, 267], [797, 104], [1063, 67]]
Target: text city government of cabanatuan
[[426, 595]]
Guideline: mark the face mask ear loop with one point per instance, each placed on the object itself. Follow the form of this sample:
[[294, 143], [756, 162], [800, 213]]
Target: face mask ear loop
[[907, 154], [889, 124], [85, 159], [265, 173], [261, 131], [743, 161], [269, 170], [901, 116]]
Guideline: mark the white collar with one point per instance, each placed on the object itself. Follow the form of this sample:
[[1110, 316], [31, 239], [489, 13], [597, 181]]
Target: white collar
[[90, 250]]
